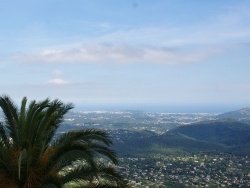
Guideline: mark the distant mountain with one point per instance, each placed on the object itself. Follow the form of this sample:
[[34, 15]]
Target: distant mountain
[[222, 132], [210, 136], [240, 115], [163, 144]]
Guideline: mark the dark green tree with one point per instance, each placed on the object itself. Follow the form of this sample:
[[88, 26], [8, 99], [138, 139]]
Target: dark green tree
[[31, 155]]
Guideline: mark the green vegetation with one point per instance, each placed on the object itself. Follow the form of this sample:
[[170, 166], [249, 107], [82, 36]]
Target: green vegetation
[[31, 155], [228, 136], [203, 154], [187, 170]]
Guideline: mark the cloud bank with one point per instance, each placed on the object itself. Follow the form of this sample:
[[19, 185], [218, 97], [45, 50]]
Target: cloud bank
[[175, 44], [111, 53]]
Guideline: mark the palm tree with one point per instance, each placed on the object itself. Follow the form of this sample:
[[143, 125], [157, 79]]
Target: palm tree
[[31, 155]]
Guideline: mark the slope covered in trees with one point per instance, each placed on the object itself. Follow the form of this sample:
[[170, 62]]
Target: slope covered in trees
[[209, 136]]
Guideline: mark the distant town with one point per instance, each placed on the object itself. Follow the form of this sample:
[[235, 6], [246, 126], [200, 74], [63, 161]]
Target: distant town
[[158, 169], [134, 120], [162, 166]]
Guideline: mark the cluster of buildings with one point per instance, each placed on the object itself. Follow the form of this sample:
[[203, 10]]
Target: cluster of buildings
[[200, 170], [187, 171]]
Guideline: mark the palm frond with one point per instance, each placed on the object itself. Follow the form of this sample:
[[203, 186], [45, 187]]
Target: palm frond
[[31, 157], [3, 137], [5, 160], [34, 117], [88, 143], [101, 176], [84, 136], [11, 117], [22, 115], [105, 152], [63, 157], [53, 116], [51, 182], [22, 157], [44, 115]]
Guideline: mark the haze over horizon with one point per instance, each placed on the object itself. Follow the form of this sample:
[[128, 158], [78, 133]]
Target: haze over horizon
[[127, 53]]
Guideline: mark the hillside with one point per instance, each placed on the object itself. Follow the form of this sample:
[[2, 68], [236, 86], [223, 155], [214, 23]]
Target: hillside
[[242, 115], [224, 132], [164, 144], [209, 136]]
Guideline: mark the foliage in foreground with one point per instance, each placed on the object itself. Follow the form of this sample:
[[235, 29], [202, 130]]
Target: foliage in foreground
[[31, 156]]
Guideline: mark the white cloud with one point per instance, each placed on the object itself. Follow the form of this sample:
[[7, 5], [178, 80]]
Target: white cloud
[[57, 81], [102, 53], [164, 45]]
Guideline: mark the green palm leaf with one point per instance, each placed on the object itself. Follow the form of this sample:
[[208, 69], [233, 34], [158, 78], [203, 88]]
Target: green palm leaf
[[100, 176], [30, 156]]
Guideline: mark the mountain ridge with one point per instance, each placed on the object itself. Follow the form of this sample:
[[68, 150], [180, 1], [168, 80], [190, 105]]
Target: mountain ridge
[[243, 113], [227, 135]]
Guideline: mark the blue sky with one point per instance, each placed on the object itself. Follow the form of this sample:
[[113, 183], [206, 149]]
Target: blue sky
[[110, 52]]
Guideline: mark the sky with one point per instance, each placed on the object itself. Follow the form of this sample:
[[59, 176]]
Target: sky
[[127, 53]]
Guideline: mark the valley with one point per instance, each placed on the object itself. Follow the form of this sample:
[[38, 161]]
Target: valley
[[174, 149]]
